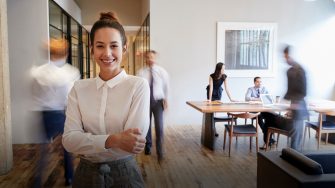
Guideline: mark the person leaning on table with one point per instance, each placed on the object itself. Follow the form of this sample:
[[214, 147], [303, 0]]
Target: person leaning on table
[[214, 88]]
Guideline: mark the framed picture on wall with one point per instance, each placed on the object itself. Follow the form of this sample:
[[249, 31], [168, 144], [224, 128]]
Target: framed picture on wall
[[247, 49]]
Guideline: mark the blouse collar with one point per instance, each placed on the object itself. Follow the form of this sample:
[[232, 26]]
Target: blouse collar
[[112, 82]]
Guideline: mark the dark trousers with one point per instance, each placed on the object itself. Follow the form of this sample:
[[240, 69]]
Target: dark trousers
[[274, 120], [261, 123], [156, 109], [53, 122]]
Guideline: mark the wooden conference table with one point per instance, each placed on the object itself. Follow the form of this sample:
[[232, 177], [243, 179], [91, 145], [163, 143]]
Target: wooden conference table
[[208, 108]]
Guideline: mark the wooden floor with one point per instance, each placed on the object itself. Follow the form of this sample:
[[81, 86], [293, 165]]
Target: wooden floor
[[187, 163]]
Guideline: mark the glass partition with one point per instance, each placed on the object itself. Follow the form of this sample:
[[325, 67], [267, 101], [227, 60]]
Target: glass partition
[[142, 44], [62, 25]]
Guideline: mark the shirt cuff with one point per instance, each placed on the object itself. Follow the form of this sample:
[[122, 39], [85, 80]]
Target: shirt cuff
[[100, 142]]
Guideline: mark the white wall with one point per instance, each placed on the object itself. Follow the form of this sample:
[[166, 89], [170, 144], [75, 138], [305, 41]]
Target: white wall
[[71, 7], [27, 31], [184, 33]]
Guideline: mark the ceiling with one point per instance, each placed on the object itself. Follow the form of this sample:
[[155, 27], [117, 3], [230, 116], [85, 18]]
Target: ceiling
[[128, 11]]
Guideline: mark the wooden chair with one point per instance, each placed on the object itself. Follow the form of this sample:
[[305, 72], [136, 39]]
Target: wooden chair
[[227, 119], [325, 126], [246, 130], [273, 130]]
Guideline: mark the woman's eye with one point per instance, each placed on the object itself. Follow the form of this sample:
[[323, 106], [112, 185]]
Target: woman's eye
[[99, 46], [114, 46]]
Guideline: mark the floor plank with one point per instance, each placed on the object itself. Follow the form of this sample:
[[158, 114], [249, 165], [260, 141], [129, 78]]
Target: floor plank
[[186, 164]]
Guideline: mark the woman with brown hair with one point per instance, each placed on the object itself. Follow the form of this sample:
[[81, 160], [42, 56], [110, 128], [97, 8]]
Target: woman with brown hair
[[216, 79], [107, 116]]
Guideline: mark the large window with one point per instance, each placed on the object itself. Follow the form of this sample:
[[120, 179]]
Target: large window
[[62, 25]]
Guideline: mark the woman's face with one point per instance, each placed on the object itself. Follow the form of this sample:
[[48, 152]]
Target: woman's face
[[107, 51]]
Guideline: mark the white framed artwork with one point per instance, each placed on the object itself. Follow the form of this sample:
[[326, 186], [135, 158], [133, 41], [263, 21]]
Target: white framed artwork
[[247, 49]]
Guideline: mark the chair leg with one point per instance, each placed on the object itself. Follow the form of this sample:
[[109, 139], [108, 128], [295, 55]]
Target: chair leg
[[277, 140], [250, 143], [230, 140], [224, 138], [326, 141], [309, 132], [267, 140], [257, 143], [319, 139]]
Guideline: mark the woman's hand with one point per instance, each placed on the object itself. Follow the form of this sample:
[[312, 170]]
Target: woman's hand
[[130, 140]]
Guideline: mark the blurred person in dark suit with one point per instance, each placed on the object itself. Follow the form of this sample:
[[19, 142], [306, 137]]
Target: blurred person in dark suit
[[296, 93]]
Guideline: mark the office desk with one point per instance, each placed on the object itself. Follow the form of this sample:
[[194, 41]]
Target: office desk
[[209, 108]]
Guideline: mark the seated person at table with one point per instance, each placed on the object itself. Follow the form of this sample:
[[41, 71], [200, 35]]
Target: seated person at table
[[277, 121], [253, 93]]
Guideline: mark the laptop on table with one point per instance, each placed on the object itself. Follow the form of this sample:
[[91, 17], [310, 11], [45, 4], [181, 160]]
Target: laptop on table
[[267, 101]]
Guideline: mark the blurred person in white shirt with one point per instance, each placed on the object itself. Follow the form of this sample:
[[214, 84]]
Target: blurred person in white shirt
[[52, 83], [158, 80]]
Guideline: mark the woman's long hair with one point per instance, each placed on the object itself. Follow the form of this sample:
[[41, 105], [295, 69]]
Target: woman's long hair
[[217, 72]]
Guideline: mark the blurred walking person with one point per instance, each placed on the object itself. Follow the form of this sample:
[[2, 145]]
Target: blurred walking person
[[296, 93], [158, 80], [52, 83]]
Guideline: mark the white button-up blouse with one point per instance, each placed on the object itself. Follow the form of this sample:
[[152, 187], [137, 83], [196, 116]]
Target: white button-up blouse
[[97, 109]]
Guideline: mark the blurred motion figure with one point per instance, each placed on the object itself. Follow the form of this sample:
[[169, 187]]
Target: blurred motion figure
[[296, 92], [158, 80], [52, 83]]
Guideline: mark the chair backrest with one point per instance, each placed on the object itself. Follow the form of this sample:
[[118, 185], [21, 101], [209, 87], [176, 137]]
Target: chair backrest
[[301, 162], [330, 113], [330, 118], [326, 160], [326, 116], [244, 115]]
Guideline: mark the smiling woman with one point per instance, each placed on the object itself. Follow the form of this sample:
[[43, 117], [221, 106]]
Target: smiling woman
[[107, 117], [107, 51]]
